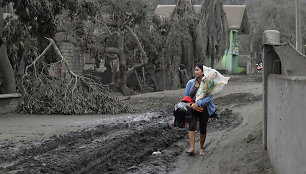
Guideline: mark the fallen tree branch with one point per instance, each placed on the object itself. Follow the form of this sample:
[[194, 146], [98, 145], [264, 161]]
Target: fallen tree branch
[[47, 94], [39, 57]]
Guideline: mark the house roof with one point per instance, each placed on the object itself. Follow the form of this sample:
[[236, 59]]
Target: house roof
[[236, 15], [164, 10]]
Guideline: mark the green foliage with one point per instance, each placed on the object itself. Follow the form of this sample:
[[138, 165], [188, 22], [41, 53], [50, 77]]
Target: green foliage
[[249, 138]]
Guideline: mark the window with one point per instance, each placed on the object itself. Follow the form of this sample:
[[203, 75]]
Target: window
[[77, 59]]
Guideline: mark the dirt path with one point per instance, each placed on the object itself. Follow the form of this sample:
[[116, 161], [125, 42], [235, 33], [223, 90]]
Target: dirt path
[[232, 151]]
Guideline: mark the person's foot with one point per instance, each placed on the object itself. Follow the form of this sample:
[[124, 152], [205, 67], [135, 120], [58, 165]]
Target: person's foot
[[190, 152], [202, 152]]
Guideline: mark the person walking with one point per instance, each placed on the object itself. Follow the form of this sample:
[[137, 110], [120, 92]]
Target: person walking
[[201, 117]]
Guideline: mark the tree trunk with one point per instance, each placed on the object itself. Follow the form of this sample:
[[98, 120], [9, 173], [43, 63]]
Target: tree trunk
[[114, 71], [143, 53], [179, 47], [122, 67], [212, 33], [7, 72], [123, 73], [122, 64]]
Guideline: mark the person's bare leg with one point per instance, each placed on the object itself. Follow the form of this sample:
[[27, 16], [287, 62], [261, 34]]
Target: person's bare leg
[[202, 141], [191, 135]]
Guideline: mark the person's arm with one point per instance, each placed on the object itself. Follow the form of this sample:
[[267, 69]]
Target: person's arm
[[203, 79], [202, 95], [204, 100]]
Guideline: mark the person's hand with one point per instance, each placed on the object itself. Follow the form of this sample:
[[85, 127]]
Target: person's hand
[[195, 105], [203, 79]]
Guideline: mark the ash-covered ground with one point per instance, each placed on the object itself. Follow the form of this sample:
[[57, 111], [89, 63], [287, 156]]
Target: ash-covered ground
[[125, 143], [118, 146]]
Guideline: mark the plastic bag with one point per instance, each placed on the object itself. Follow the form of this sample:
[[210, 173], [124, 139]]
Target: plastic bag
[[213, 83], [182, 114], [181, 109], [219, 78]]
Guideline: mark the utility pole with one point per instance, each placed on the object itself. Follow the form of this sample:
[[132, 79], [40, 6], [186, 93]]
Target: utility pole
[[298, 26]]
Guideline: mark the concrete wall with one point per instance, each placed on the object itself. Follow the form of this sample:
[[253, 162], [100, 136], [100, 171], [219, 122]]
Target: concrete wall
[[243, 58], [9, 102], [286, 123]]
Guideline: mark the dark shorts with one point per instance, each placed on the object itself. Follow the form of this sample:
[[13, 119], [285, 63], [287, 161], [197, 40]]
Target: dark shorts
[[203, 120]]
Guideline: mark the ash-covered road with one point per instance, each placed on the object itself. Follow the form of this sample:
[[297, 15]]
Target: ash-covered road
[[117, 145]]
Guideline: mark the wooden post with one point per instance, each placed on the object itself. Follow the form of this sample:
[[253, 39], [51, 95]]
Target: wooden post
[[58, 69]]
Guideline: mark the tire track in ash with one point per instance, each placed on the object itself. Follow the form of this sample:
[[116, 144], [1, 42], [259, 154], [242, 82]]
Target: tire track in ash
[[105, 149], [14, 151]]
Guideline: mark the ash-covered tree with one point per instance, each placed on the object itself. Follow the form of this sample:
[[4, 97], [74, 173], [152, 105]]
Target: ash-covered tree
[[43, 93], [211, 33], [34, 21], [179, 46], [194, 38], [119, 19], [108, 34]]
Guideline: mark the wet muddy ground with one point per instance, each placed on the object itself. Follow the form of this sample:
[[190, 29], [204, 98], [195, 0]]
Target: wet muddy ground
[[119, 145]]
